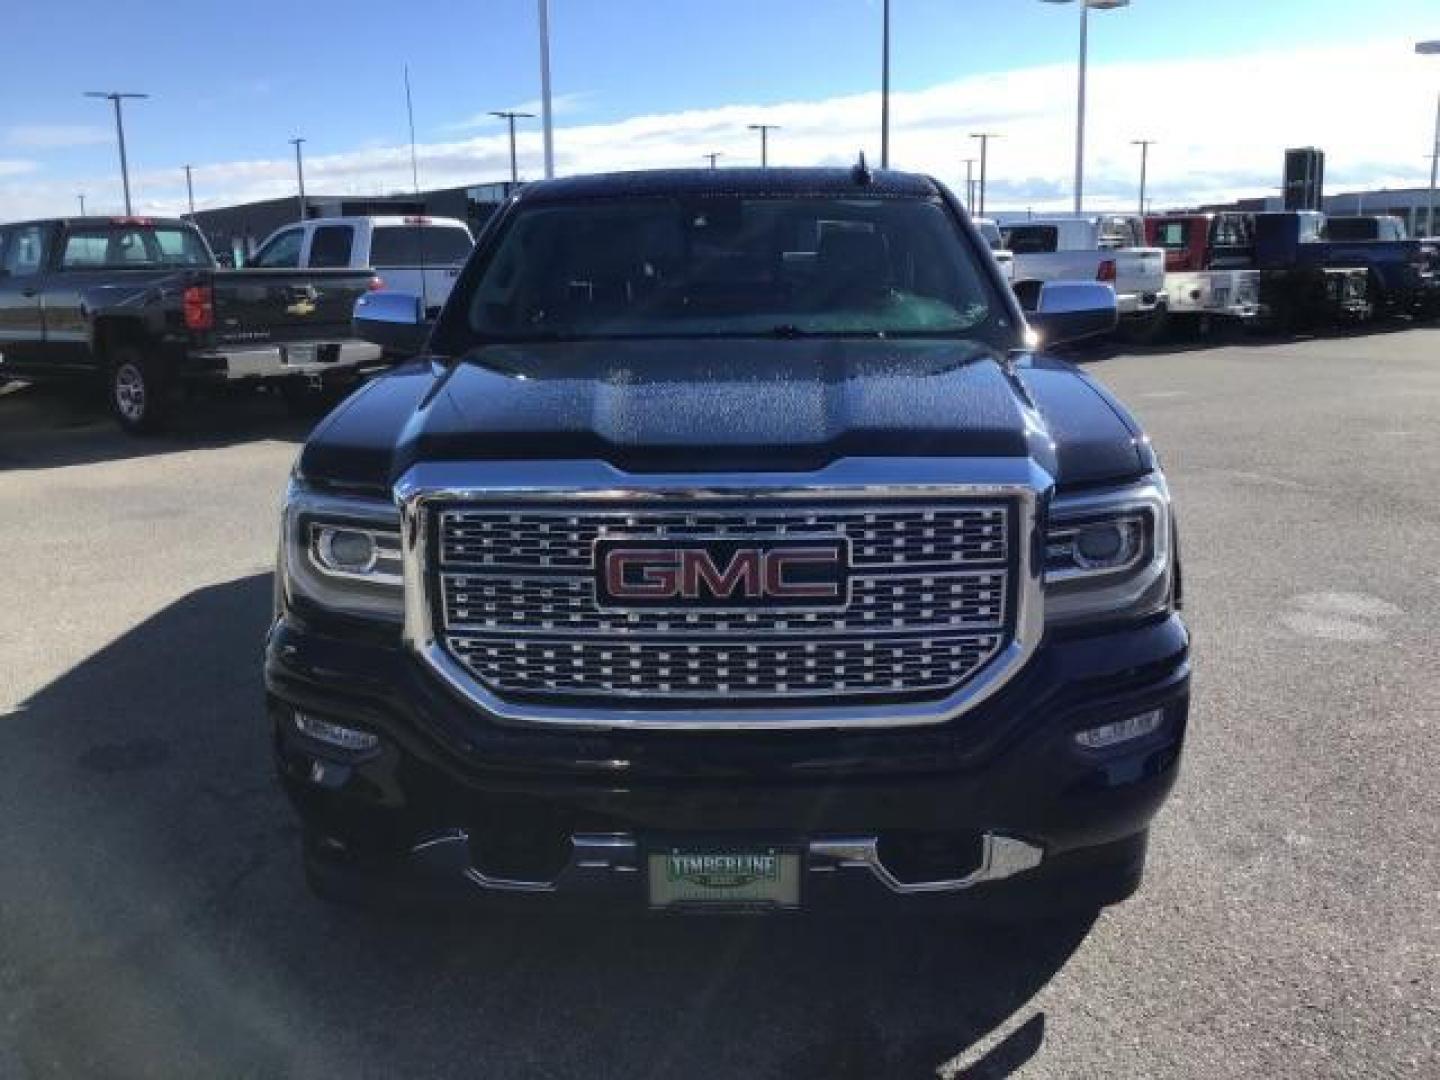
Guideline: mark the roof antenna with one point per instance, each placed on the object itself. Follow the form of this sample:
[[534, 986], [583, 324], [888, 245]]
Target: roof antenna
[[860, 172]]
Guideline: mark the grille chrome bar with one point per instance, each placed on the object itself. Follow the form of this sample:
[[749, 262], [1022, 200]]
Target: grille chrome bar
[[583, 490]]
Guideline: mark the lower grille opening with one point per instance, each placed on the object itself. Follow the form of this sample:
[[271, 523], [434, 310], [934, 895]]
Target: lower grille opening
[[918, 857], [529, 845]]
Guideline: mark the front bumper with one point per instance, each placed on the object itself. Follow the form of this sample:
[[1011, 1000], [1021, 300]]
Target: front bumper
[[454, 804], [308, 359]]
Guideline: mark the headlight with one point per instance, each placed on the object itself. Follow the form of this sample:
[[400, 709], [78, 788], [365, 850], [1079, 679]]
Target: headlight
[[1108, 554], [342, 554]]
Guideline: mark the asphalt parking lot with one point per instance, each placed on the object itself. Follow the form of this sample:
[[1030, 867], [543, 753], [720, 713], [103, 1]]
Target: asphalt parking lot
[[153, 921]]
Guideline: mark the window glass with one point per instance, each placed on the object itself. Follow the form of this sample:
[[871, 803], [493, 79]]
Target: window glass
[[283, 252], [730, 266], [412, 245], [25, 251], [1032, 239], [132, 247], [181, 247], [1171, 235], [330, 246]]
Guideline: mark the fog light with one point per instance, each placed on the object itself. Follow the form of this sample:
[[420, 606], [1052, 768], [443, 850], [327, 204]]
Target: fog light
[[335, 734], [1132, 727], [350, 551]]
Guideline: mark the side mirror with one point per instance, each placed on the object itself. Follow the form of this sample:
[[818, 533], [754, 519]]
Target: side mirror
[[1065, 311], [392, 320]]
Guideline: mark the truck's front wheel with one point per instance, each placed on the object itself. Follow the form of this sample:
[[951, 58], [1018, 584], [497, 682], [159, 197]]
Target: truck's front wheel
[[139, 391]]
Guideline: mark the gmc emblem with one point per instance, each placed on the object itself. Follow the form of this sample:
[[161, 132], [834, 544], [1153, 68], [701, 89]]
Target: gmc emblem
[[721, 573]]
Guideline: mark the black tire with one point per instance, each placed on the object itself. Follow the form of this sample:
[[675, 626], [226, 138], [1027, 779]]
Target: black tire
[[140, 391], [1146, 330]]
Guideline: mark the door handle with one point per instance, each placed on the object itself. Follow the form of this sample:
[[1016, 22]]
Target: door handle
[[29, 293]]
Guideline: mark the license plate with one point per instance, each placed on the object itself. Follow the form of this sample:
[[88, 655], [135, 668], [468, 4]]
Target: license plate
[[702, 877], [301, 354]]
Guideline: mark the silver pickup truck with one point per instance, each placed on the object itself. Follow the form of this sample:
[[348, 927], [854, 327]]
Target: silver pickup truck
[[1101, 247]]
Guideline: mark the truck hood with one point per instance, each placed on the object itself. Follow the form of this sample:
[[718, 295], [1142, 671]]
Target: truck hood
[[725, 405]]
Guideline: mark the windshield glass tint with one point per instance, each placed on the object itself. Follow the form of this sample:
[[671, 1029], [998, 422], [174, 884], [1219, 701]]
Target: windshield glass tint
[[715, 266], [414, 245]]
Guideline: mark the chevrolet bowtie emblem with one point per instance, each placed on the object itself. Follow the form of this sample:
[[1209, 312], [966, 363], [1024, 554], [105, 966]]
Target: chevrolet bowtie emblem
[[305, 306]]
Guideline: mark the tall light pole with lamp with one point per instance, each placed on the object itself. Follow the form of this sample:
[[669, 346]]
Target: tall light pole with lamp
[[300, 173], [969, 182], [1432, 48], [115, 97], [984, 137], [1085, 6], [1144, 145], [510, 116], [764, 130]]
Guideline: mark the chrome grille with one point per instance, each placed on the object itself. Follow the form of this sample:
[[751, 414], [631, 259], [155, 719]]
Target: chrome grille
[[823, 668], [930, 603], [483, 603], [565, 539]]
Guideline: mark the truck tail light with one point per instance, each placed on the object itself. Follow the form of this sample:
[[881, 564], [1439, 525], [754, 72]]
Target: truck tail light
[[1106, 271], [376, 283], [198, 302]]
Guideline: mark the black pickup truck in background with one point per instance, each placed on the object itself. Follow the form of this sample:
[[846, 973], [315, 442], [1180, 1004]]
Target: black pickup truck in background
[[142, 304]]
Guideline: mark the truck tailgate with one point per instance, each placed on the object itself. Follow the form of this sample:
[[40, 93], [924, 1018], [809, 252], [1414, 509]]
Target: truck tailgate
[[257, 307], [1139, 270]]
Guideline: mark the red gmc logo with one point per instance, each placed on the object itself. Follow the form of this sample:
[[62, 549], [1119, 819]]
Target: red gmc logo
[[721, 573]]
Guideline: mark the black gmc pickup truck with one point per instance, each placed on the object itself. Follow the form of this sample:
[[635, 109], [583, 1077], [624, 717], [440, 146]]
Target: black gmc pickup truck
[[730, 548], [140, 303]]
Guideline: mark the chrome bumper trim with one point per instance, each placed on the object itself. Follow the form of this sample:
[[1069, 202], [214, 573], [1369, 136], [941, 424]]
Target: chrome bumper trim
[[271, 361], [599, 857], [1000, 857]]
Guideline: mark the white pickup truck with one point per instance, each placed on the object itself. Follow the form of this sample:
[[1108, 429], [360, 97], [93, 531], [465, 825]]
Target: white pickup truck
[[1099, 247], [417, 255], [990, 233]]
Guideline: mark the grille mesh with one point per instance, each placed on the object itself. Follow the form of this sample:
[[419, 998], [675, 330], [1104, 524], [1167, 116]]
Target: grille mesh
[[514, 592]]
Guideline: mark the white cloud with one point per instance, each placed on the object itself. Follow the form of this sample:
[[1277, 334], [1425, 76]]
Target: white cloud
[[1222, 124], [16, 168], [57, 136]]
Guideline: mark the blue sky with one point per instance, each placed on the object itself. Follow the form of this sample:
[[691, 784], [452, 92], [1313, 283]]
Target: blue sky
[[232, 82]]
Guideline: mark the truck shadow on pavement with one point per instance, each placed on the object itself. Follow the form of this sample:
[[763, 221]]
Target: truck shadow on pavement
[[154, 922], [44, 427]]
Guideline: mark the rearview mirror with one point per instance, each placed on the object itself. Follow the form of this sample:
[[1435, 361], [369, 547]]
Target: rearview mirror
[[1065, 311], [394, 321]]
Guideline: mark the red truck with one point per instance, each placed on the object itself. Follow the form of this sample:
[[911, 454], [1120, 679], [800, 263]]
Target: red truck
[[1209, 260]]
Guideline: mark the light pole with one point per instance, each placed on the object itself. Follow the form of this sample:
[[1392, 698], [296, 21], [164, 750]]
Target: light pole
[[1144, 145], [115, 97], [984, 137], [190, 190], [764, 130], [885, 87], [969, 182], [81, 197], [548, 118], [511, 117], [1432, 48], [713, 157], [300, 173], [1085, 6]]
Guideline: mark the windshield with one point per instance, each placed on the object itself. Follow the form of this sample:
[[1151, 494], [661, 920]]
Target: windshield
[[729, 266]]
